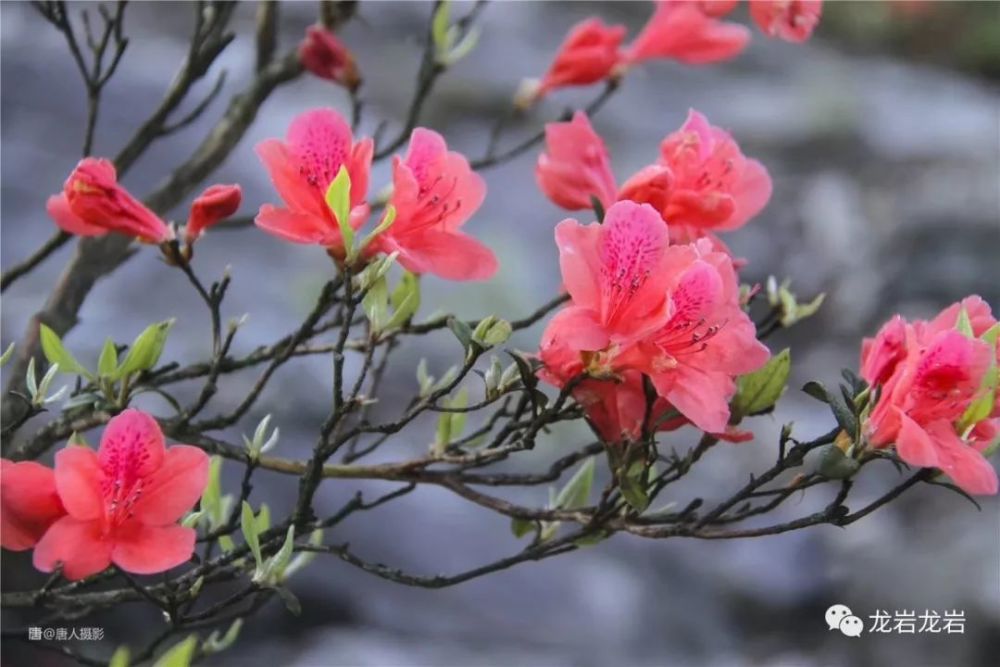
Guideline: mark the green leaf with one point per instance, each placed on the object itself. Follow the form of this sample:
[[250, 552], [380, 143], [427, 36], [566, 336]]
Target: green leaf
[[633, 486], [248, 524], [385, 223], [522, 527], [809, 309], [292, 603], [179, 655], [276, 566], [963, 323], [760, 390], [462, 332], [215, 643], [107, 363], [464, 47], [56, 353], [525, 370], [424, 380], [405, 300], [338, 198], [439, 28], [577, 490], [121, 657], [981, 408], [835, 464], [376, 304], [303, 558], [497, 334], [7, 354], [146, 349], [211, 497], [992, 334], [263, 518], [31, 379], [451, 424]]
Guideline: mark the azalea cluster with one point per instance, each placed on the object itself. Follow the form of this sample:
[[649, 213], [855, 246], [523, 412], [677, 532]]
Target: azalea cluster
[[701, 183], [119, 505], [938, 400], [688, 31], [643, 306], [93, 203], [434, 193]]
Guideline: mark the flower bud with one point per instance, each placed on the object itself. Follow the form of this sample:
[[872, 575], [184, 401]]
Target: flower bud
[[216, 203], [325, 56]]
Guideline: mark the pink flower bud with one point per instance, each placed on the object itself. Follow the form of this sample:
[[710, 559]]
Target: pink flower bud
[[93, 203], [216, 203], [326, 57], [588, 54]]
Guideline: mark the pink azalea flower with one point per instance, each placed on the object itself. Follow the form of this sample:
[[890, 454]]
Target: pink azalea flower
[[435, 192], [701, 184], [929, 374], [302, 168], [589, 54], [92, 203], [29, 502], [790, 20], [576, 166], [690, 32], [123, 502], [638, 303], [707, 340], [715, 188], [325, 56], [215, 204]]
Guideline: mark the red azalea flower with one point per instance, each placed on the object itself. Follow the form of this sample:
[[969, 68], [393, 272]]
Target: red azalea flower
[[640, 304], [435, 192], [123, 502], [303, 167], [690, 32], [930, 373], [29, 501], [92, 203]]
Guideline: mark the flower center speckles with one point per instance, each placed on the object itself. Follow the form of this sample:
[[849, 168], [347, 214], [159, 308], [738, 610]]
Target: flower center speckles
[[683, 337]]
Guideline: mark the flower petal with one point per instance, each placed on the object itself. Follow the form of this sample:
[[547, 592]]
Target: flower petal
[[293, 189], [913, 443], [58, 209], [29, 503], [173, 489], [578, 329], [78, 479], [966, 466], [702, 397], [132, 440], [579, 262], [143, 549], [78, 545], [449, 255], [297, 227]]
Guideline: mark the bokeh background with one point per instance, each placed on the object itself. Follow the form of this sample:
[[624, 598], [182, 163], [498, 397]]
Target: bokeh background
[[882, 135]]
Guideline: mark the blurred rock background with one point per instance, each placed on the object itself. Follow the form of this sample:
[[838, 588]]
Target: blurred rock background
[[882, 136]]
